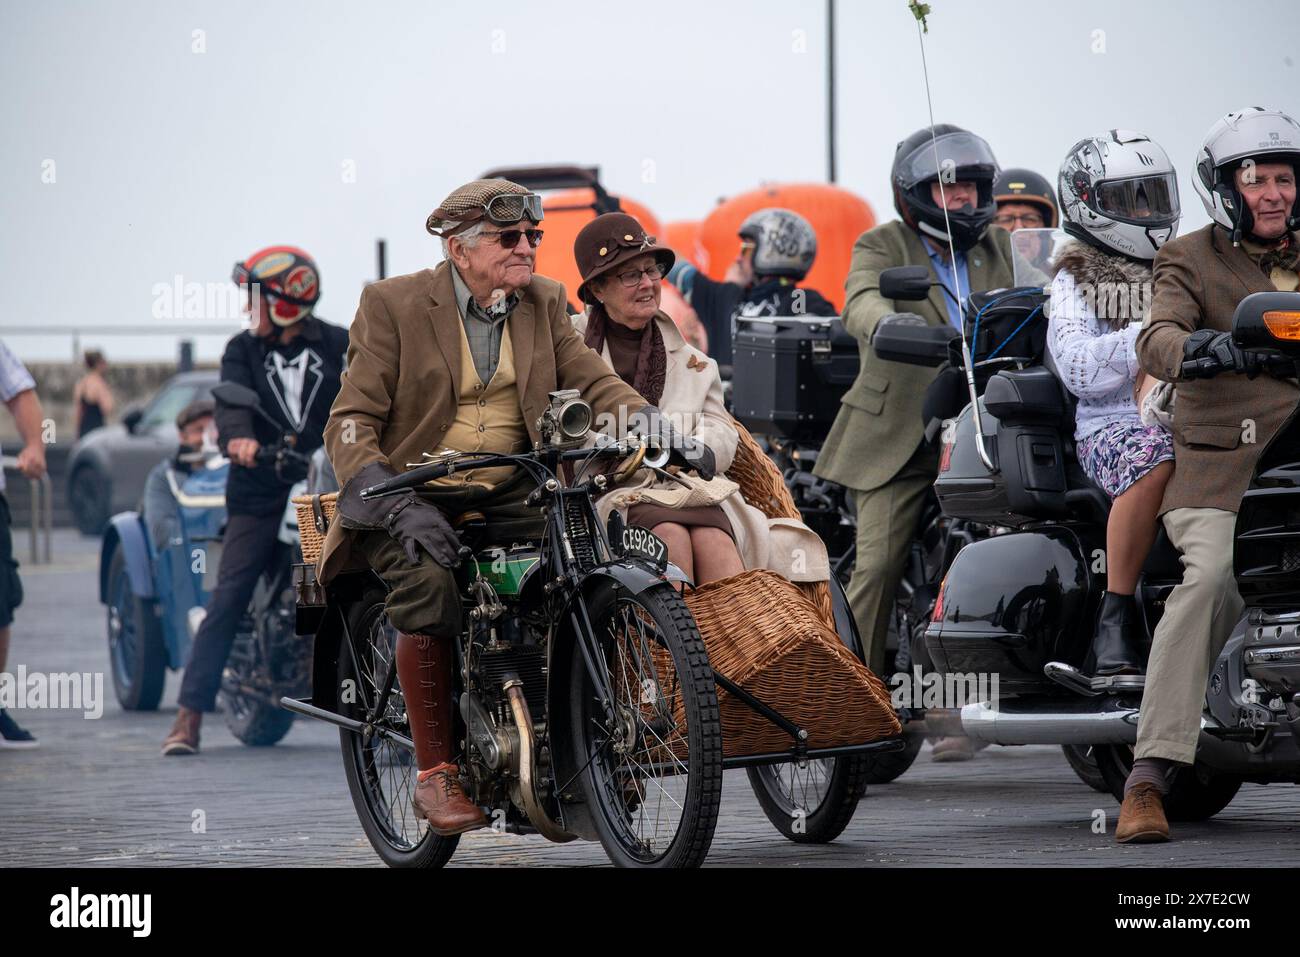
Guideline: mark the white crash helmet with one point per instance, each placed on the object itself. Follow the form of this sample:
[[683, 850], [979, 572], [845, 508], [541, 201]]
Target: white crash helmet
[[1119, 192], [1253, 133]]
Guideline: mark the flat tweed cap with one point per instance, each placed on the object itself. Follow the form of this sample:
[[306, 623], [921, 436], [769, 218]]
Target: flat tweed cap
[[464, 206]]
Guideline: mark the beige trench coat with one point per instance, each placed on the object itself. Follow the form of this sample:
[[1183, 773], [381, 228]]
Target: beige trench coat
[[692, 400]]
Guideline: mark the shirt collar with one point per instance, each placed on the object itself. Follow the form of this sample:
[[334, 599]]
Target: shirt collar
[[465, 301]]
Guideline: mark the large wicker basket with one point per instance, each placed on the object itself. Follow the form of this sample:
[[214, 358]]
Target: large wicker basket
[[314, 521], [777, 640]]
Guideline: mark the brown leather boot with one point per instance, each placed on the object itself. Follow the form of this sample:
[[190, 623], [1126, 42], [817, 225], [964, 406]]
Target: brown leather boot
[[444, 805], [184, 736], [1142, 817], [424, 670]]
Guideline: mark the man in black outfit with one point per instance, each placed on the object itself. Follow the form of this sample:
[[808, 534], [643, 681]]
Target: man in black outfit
[[292, 360], [777, 248]]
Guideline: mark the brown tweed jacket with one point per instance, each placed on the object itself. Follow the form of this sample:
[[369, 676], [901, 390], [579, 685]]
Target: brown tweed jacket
[[1221, 425], [398, 394]]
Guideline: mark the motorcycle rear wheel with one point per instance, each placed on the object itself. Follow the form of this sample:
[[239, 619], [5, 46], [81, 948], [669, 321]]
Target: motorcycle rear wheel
[[653, 781], [1195, 794], [381, 773]]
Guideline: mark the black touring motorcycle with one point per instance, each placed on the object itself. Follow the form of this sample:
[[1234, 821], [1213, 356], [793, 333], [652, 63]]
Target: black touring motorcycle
[[1022, 603], [587, 705]]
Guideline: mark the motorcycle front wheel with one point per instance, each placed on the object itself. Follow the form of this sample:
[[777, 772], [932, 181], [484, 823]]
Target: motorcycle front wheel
[[381, 773], [652, 765]]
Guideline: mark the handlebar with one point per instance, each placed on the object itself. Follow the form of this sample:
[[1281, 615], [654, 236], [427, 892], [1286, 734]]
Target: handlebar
[[436, 470], [1209, 366]]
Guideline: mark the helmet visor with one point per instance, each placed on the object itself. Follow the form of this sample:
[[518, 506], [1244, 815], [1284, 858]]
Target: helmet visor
[[950, 154], [1142, 201], [509, 208]]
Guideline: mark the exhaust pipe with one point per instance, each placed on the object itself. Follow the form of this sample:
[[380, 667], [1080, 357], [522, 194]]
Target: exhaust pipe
[[1087, 722], [514, 689]]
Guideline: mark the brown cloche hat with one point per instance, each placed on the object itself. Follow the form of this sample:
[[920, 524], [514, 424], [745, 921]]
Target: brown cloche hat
[[464, 206], [607, 242]]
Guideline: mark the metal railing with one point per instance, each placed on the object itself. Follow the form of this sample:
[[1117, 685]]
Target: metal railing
[[42, 510], [187, 329]]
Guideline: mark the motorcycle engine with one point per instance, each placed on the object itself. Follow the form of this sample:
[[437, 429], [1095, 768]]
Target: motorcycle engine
[[1272, 654]]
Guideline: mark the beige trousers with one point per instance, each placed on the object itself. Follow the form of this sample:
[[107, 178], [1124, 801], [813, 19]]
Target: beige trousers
[[1199, 617]]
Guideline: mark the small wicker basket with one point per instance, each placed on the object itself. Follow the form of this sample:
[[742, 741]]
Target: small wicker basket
[[315, 513]]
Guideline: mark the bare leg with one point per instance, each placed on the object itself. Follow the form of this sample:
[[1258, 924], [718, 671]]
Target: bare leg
[[4, 646], [1131, 529], [715, 553], [678, 540]]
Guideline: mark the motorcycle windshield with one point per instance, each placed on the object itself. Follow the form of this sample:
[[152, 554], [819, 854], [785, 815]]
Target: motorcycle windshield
[[1032, 254]]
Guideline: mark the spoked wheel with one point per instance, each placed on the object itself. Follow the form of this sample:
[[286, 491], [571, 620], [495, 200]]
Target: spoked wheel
[[810, 802], [381, 772], [1195, 794], [252, 717], [652, 769]]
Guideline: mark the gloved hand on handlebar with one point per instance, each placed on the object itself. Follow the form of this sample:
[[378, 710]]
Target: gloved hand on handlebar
[[693, 453], [1208, 344], [408, 520]]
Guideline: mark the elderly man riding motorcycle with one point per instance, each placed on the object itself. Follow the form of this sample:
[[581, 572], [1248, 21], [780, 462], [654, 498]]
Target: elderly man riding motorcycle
[[461, 356], [1245, 175]]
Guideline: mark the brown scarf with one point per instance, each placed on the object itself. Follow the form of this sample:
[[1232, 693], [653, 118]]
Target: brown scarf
[[651, 361]]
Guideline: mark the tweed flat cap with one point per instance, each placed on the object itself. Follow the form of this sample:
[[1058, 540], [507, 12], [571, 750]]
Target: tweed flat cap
[[465, 206]]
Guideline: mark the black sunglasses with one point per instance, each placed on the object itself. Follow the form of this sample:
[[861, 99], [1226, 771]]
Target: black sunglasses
[[509, 238]]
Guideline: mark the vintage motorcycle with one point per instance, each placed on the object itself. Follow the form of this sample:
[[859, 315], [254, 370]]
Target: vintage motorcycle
[[587, 705], [1023, 602], [156, 594]]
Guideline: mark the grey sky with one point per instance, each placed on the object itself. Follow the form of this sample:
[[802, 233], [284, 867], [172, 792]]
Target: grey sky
[[173, 162]]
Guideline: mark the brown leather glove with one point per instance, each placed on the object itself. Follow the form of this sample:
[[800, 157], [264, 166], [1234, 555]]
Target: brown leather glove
[[410, 521]]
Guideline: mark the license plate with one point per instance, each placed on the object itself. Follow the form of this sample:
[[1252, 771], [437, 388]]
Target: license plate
[[640, 542]]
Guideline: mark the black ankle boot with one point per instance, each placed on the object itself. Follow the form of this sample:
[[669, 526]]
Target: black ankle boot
[[1116, 644]]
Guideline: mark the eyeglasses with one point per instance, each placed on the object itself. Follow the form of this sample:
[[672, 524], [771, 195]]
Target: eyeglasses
[[509, 238], [632, 277], [1026, 220]]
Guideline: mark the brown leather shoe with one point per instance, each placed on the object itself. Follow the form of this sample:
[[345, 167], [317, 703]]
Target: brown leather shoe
[[1142, 817], [443, 804], [184, 736], [953, 748]]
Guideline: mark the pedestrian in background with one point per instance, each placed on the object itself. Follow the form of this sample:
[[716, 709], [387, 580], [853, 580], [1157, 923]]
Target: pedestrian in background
[[92, 396]]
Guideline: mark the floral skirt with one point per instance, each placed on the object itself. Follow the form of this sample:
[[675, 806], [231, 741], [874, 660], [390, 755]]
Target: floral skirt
[[1118, 455]]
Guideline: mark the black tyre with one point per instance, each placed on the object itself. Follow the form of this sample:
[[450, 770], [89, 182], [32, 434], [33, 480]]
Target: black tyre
[[135, 642], [255, 720], [891, 765], [812, 803], [89, 495], [1195, 793], [653, 774], [1084, 764], [381, 773]]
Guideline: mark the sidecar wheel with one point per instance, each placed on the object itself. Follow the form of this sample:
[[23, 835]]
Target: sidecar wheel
[[812, 804], [135, 642], [382, 774], [653, 774]]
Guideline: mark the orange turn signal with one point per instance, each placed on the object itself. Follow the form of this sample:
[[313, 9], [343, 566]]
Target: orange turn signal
[[1283, 325]]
